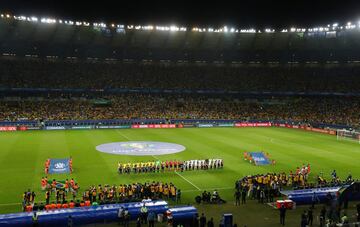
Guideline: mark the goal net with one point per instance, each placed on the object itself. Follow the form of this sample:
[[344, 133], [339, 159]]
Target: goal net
[[348, 135]]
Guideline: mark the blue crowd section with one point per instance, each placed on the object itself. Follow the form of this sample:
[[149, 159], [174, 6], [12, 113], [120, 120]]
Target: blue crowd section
[[86, 215], [306, 196]]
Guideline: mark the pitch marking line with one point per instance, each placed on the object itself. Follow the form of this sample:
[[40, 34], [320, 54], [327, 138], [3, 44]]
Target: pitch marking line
[[123, 135], [188, 181], [210, 189]]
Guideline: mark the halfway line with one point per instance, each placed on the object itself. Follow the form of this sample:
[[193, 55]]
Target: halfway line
[[160, 160]]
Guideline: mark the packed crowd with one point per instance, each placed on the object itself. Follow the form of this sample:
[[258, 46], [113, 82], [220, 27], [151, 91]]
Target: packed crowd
[[141, 106], [131, 192], [265, 187], [171, 165], [65, 196], [59, 74]]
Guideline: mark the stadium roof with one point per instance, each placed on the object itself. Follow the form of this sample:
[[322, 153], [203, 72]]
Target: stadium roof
[[256, 13]]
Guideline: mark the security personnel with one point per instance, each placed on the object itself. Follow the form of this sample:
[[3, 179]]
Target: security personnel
[[237, 197], [144, 214], [35, 220]]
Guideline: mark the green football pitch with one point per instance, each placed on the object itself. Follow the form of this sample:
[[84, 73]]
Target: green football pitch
[[22, 156]]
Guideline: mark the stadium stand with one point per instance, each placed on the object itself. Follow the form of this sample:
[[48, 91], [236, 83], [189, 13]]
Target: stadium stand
[[56, 74], [144, 106]]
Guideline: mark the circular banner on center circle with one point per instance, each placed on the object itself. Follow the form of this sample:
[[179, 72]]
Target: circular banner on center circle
[[140, 148]]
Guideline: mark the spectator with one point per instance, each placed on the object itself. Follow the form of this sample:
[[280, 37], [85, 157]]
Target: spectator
[[151, 218], [282, 214], [121, 215], [144, 214], [202, 220], [210, 223]]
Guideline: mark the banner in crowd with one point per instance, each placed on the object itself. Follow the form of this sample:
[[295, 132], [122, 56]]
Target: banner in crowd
[[205, 125], [225, 125], [154, 126], [8, 128], [114, 126], [82, 127], [325, 131], [320, 130], [186, 125], [59, 166], [22, 128], [55, 128], [33, 128], [256, 124]]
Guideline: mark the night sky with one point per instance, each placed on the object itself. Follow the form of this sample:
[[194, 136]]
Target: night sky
[[240, 13]]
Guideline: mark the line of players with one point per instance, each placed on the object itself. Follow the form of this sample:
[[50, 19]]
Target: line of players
[[161, 166]]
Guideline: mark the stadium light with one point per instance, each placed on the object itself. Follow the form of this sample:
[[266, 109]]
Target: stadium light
[[174, 28], [251, 30], [148, 27], [101, 25], [48, 20], [269, 30]]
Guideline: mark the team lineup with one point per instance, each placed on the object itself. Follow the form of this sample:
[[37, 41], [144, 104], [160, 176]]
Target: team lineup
[[174, 165]]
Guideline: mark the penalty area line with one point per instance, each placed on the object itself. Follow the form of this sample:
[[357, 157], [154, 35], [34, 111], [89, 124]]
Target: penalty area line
[[187, 181]]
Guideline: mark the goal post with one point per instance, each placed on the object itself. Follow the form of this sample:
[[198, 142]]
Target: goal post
[[351, 135]]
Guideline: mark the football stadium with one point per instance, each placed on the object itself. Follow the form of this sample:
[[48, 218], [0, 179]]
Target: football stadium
[[111, 124]]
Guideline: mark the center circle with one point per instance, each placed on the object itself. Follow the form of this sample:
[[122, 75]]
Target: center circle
[[140, 148]]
